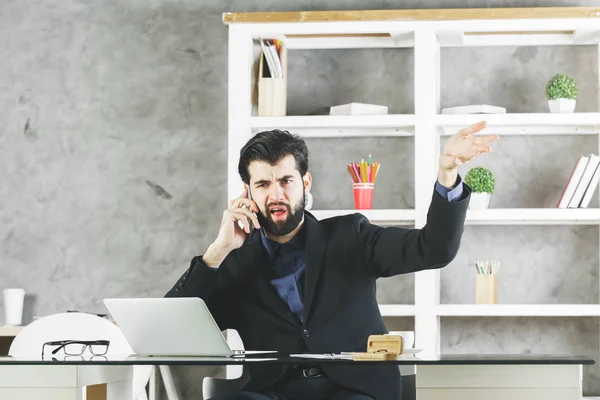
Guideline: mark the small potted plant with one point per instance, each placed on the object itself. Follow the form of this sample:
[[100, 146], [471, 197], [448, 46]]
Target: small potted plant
[[561, 92], [482, 182]]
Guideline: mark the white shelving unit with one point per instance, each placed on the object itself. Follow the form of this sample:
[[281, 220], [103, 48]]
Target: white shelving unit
[[426, 31]]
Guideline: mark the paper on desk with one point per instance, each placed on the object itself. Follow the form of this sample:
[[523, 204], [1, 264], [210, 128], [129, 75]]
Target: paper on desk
[[324, 356]]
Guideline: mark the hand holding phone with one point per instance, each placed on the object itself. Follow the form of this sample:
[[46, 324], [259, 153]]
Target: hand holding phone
[[237, 222]]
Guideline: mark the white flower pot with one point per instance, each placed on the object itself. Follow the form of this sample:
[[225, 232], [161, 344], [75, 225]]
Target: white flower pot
[[479, 201], [561, 105]]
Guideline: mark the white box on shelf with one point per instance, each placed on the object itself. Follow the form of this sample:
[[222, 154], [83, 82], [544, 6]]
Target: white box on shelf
[[474, 109], [358, 109]]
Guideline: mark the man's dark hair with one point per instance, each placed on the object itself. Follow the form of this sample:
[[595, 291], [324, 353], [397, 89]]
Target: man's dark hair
[[270, 147]]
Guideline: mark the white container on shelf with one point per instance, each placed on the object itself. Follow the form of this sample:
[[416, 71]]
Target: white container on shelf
[[479, 201], [358, 109], [13, 306], [561, 105]]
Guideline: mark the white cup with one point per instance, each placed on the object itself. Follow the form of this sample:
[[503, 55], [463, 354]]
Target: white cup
[[408, 338], [13, 306]]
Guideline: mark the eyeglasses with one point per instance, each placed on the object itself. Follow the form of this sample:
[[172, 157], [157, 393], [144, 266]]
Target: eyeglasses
[[80, 358], [78, 347]]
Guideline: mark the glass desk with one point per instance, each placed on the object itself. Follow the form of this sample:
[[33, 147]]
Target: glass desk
[[445, 359], [448, 377]]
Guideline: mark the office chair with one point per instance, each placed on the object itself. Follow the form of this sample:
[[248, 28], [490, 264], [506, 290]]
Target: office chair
[[234, 375], [235, 378], [77, 326]]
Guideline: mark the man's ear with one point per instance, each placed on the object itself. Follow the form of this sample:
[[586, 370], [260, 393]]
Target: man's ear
[[307, 179]]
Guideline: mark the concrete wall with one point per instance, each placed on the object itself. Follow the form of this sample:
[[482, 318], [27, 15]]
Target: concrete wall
[[113, 139]]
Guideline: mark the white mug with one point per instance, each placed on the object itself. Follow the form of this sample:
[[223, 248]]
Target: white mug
[[408, 338], [13, 306]]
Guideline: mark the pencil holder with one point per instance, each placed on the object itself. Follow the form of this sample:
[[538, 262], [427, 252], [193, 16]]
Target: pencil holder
[[486, 289], [363, 195]]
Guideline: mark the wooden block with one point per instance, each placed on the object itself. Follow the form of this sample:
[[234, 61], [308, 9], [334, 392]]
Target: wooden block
[[96, 392], [392, 344], [374, 356]]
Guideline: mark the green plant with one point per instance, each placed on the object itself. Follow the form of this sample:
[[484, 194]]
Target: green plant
[[481, 180], [561, 86]]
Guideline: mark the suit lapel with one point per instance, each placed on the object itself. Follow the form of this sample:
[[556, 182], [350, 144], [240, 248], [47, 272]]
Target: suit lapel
[[265, 291], [316, 244]]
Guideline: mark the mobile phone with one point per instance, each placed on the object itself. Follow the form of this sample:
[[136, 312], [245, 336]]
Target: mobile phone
[[250, 198]]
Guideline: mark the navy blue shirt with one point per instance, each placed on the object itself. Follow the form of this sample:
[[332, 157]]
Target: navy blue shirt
[[286, 274], [287, 269]]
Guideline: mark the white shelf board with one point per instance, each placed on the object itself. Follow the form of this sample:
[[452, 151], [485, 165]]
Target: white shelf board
[[336, 126], [397, 310], [375, 216], [523, 123], [534, 216], [540, 37], [365, 40], [9, 331], [519, 310]]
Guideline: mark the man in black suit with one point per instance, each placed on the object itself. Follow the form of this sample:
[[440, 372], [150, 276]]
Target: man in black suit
[[296, 284]]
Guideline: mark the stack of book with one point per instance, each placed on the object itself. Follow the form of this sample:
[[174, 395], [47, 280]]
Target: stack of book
[[273, 53], [272, 80], [582, 183]]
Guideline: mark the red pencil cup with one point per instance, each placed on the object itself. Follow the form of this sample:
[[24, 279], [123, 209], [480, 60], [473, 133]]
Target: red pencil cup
[[363, 195]]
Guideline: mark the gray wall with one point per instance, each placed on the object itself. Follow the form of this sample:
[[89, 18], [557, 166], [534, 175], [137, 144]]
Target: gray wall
[[113, 147]]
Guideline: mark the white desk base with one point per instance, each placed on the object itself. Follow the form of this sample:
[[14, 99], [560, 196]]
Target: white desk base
[[499, 382], [63, 382], [433, 382]]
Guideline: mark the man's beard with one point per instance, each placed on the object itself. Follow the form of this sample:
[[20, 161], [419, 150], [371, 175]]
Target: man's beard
[[282, 228]]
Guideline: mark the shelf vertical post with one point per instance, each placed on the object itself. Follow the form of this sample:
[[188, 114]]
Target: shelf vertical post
[[239, 102], [598, 136], [427, 105]]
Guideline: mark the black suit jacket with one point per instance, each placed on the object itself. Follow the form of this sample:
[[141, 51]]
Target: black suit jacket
[[344, 257]]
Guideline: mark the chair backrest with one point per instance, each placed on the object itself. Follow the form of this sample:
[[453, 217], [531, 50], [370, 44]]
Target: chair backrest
[[234, 374], [77, 326], [235, 343]]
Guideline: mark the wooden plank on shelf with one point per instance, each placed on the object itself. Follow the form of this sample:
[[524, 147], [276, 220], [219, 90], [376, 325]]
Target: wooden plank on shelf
[[412, 15]]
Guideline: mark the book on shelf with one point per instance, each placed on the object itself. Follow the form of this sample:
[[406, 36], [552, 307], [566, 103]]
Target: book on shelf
[[272, 80], [273, 54], [581, 183], [590, 189], [585, 181]]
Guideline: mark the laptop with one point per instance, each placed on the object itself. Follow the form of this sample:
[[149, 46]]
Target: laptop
[[181, 326]]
